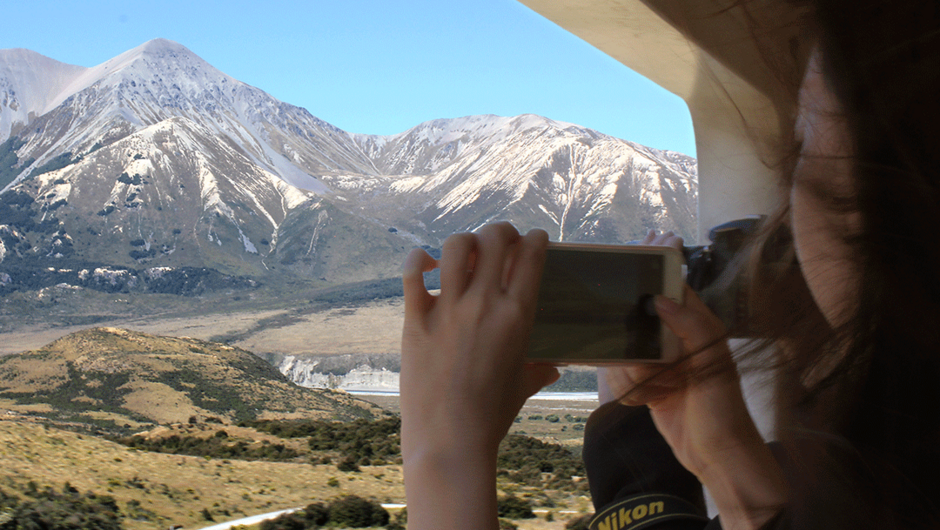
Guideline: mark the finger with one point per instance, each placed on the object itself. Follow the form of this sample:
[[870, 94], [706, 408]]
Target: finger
[[456, 254], [650, 236], [526, 273], [509, 263], [671, 240], [495, 244], [417, 298], [676, 242], [692, 330], [663, 239], [662, 376], [536, 377], [646, 394], [693, 323], [692, 301]]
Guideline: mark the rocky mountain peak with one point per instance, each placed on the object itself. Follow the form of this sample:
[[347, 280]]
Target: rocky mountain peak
[[161, 46], [156, 161]]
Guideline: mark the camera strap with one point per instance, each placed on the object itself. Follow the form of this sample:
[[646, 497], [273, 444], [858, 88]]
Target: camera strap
[[642, 511]]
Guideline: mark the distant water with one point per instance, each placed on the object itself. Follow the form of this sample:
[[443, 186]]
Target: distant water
[[566, 396], [372, 392], [548, 396]]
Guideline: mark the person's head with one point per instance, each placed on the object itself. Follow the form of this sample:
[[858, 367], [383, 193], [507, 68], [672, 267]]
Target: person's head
[[864, 192], [863, 207], [822, 198]]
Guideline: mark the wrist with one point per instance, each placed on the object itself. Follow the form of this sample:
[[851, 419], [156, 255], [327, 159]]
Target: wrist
[[447, 489]]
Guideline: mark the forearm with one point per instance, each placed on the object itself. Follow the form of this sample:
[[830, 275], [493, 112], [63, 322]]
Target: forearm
[[451, 491]]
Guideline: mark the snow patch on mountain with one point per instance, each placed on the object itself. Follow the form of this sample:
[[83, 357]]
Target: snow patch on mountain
[[307, 373], [29, 84]]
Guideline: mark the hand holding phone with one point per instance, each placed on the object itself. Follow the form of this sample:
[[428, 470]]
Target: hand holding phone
[[595, 304]]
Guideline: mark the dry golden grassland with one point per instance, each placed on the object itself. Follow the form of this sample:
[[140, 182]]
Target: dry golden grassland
[[132, 377], [532, 420], [174, 489]]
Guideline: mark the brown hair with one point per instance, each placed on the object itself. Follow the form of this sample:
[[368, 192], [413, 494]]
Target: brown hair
[[863, 400], [859, 404]]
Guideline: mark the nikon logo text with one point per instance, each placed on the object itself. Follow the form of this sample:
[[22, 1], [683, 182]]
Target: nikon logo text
[[620, 519]]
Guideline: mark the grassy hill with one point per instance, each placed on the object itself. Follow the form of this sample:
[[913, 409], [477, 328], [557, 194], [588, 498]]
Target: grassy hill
[[198, 432], [122, 379], [154, 491]]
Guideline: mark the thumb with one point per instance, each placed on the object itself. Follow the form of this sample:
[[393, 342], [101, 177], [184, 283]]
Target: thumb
[[537, 376], [693, 323]]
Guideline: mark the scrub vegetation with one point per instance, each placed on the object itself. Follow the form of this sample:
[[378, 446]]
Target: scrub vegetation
[[157, 431]]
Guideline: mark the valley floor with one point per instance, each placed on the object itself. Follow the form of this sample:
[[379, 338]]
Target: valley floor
[[289, 327], [155, 490]]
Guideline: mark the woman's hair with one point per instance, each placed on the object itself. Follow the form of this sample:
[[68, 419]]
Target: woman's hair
[[868, 391], [859, 403]]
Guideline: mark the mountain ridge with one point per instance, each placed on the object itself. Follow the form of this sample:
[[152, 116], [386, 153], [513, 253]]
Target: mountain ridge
[[156, 160]]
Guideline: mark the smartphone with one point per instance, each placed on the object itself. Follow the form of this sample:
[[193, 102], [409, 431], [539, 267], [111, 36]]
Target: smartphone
[[595, 304]]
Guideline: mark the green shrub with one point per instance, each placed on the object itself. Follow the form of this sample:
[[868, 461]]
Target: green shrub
[[356, 512], [348, 465], [346, 512], [66, 510], [316, 514], [368, 442], [59, 162], [513, 507], [288, 521], [524, 459], [220, 445]]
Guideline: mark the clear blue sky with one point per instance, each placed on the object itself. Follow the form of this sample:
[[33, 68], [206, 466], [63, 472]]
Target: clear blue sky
[[377, 67]]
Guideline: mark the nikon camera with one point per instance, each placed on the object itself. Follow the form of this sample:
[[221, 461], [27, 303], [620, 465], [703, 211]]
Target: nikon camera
[[711, 270]]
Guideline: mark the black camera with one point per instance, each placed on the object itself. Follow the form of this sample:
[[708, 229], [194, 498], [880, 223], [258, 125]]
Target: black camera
[[713, 270]]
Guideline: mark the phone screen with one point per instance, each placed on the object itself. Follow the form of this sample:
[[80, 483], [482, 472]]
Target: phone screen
[[596, 306]]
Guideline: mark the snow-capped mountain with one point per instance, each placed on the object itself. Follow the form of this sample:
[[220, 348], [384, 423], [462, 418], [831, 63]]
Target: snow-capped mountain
[[160, 80], [536, 172], [155, 160]]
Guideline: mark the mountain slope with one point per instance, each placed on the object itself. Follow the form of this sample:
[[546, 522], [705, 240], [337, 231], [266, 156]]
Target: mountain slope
[[29, 84], [162, 79], [154, 164], [116, 377], [534, 171]]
